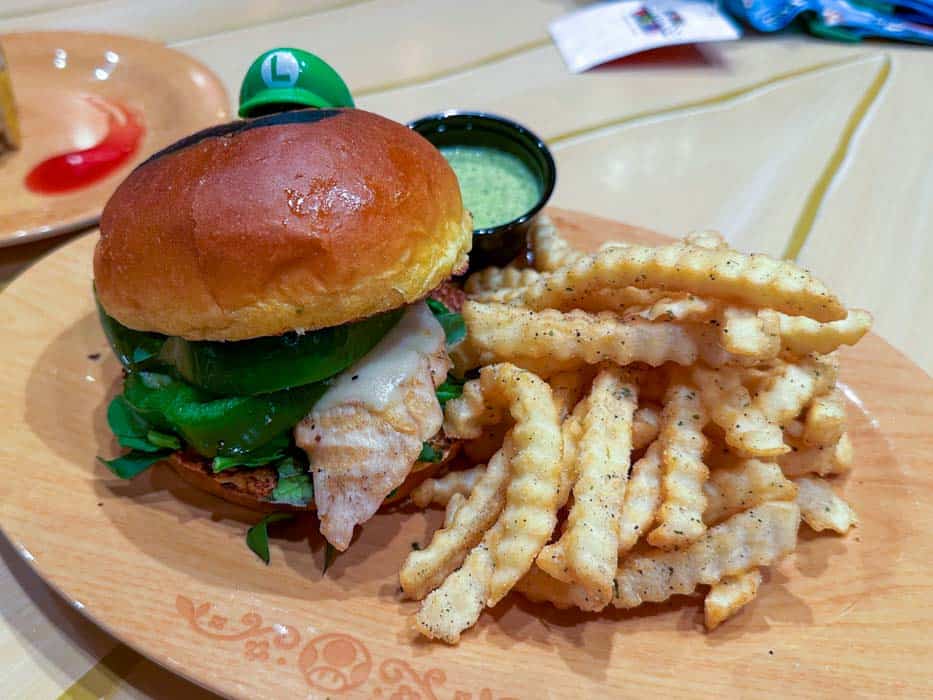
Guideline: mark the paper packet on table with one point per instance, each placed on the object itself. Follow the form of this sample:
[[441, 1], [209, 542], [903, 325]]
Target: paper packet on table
[[610, 30]]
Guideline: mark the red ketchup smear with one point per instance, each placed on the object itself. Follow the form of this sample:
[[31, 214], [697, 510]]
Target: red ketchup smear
[[76, 169]]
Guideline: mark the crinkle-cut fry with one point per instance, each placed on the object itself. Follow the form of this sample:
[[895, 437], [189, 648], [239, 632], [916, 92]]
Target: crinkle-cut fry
[[567, 340], [748, 332], [744, 484], [619, 300], [538, 586], [713, 354], [825, 420], [828, 371], [792, 387], [590, 543], [749, 280], [457, 604], [492, 279], [679, 519], [821, 508], [530, 511], [729, 596], [465, 416], [426, 568], [568, 389], [756, 537], [645, 426], [571, 432], [552, 559], [642, 498], [463, 357], [758, 377], [550, 251], [713, 240], [440, 490], [802, 336], [453, 506], [747, 430], [683, 308], [823, 461]]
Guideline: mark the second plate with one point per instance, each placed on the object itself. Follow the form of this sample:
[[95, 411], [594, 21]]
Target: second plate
[[77, 91]]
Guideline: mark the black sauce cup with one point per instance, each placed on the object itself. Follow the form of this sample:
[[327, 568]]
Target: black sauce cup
[[499, 244]]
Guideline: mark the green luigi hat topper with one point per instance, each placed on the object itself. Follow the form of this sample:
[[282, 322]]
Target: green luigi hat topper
[[283, 79]]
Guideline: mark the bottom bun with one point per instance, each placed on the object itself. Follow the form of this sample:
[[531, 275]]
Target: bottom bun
[[251, 487]]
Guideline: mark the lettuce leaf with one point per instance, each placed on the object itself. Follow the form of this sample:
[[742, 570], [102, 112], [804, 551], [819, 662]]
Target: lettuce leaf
[[146, 445], [452, 388], [272, 451], [430, 454], [134, 432], [257, 537], [134, 462], [451, 321], [294, 485], [163, 440]]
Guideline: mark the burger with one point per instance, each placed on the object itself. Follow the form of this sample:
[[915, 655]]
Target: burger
[[277, 292]]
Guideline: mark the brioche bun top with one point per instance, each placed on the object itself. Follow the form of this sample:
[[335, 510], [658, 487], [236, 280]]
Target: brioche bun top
[[294, 221]]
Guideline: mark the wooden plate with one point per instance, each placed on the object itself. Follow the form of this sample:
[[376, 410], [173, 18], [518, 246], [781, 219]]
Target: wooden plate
[[59, 80], [165, 568]]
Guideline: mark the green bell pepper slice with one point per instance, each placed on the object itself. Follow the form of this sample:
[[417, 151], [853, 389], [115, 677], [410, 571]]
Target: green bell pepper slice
[[264, 365], [131, 347], [250, 367]]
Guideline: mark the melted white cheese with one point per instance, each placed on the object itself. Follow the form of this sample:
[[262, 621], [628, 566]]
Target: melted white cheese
[[376, 377]]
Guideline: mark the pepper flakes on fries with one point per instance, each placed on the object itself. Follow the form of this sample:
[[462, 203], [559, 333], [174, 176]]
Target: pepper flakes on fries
[[424, 569], [589, 546], [825, 421], [679, 519], [753, 280], [757, 537], [711, 372]]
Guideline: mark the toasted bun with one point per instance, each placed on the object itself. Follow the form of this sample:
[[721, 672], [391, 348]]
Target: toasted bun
[[252, 487], [293, 221]]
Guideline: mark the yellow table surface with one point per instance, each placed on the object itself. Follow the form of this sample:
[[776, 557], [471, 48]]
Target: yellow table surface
[[789, 145]]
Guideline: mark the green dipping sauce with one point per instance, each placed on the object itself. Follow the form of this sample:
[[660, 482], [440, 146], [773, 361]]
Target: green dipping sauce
[[496, 186]]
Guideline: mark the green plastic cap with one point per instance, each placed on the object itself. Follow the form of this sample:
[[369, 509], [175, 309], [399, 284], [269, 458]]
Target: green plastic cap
[[291, 78]]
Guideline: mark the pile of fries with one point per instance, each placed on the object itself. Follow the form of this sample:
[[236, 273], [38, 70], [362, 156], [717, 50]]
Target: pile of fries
[[645, 421]]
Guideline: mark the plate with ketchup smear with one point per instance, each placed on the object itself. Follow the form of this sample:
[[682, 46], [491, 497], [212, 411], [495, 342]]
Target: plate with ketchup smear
[[91, 107]]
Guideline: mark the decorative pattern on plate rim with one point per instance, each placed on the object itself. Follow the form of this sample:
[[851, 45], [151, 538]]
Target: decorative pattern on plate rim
[[334, 662]]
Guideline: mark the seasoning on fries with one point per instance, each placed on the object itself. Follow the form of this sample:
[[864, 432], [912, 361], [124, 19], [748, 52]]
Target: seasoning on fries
[[661, 420]]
